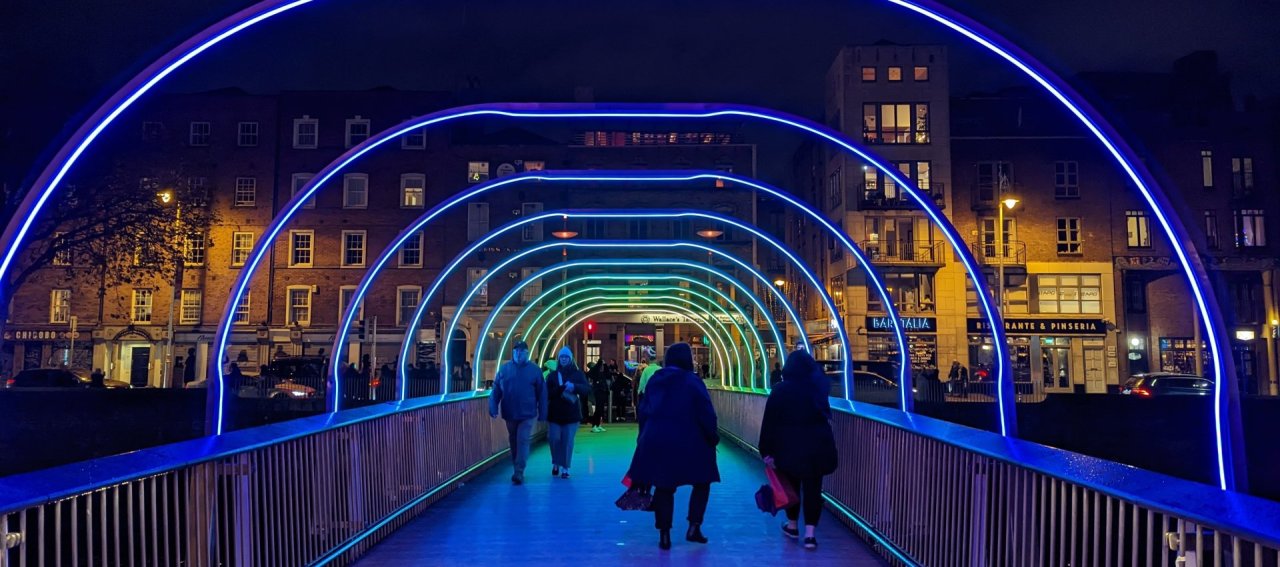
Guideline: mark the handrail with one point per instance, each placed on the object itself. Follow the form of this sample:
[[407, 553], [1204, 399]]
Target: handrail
[[1015, 252], [903, 251]]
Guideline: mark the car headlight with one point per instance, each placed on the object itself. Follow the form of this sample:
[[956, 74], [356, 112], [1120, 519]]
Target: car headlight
[[297, 393]]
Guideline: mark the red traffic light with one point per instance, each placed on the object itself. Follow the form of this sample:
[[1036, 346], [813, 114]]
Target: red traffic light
[[590, 326]]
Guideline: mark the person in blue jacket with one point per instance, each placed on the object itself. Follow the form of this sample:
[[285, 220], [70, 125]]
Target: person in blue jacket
[[677, 443], [520, 394]]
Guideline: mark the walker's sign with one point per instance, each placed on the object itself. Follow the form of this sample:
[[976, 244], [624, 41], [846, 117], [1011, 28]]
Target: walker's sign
[[910, 324], [1044, 326]]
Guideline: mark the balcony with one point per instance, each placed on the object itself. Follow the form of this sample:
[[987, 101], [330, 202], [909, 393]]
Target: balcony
[[873, 198], [1014, 260], [904, 252]]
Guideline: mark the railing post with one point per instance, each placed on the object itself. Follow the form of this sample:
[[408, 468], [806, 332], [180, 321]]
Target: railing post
[[978, 512]]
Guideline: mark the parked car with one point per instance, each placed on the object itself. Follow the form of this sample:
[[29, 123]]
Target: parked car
[[869, 386], [56, 378], [1167, 384]]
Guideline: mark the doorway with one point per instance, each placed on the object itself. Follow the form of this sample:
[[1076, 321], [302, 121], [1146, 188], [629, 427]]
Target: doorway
[[1095, 372], [139, 366]]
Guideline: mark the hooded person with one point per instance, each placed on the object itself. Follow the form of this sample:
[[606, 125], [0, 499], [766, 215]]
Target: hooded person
[[566, 385], [520, 396], [677, 443], [796, 439]]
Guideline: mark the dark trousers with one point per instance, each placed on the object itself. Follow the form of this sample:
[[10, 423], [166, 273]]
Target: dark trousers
[[664, 505], [598, 417], [810, 491]]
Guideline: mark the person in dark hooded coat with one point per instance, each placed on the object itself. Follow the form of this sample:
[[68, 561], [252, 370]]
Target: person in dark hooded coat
[[565, 387], [796, 439], [677, 443]]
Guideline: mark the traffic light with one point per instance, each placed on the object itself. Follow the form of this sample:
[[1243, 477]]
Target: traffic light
[[360, 329], [590, 327]]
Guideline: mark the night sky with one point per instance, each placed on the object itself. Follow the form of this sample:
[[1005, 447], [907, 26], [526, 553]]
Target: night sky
[[59, 56]]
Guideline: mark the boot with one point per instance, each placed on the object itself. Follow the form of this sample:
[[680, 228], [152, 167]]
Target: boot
[[695, 534], [664, 539]]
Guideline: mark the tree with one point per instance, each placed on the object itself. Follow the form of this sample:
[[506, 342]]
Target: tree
[[118, 229]]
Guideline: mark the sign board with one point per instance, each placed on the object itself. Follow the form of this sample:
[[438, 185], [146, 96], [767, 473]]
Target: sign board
[[1044, 326], [914, 324], [37, 335]]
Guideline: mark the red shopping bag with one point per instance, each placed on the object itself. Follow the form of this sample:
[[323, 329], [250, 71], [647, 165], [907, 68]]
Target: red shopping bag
[[784, 495], [626, 480]]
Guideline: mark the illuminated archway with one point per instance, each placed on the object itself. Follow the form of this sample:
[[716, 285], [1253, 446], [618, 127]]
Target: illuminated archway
[[1227, 428], [515, 324]]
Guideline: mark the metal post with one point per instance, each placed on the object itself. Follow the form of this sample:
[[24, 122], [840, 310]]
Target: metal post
[[1000, 254], [177, 296], [71, 352]]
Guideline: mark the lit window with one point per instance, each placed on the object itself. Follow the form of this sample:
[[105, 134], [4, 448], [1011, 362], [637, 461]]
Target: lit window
[[357, 130], [1206, 168], [895, 74], [1066, 180], [413, 191], [535, 165], [241, 316], [199, 134], [921, 73], [246, 194], [193, 250], [192, 300], [474, 275], [241, 246], [407, 298], [895, 123], [353, 248], [306, 133], [415, 139], [1138, 228], [297, 183], [141, 306], [301, 243], [300, 305], [411, 252], [60, 306], [1069, 235], [477, 171], [62, 253], [868, 74], [1251, 229], [355, 191], [1069, 294], [247, 134]]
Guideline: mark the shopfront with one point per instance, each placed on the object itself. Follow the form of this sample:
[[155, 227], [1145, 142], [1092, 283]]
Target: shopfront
[[922, 341], [45, 348], [1051, 355]]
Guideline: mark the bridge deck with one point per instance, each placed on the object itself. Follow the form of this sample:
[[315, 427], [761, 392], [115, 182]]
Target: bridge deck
[[574, 522]]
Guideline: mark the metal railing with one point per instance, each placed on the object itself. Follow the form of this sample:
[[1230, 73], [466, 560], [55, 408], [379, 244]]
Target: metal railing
[[874, 197], [904, 251], [1015, 252], [312, 491], [926, 492]]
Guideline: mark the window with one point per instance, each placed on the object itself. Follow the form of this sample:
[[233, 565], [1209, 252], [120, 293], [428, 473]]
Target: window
[[407, 298], [301, 244], [355, 191], [62, 256], [535, 166], [247, 134], [910, 292], [241, 246], [837, 250], [1251, 229], [477, 221], [193, 248], [1241, 176], [299, 181], [880, 189], [413, 190], [357, 130], [1068, 235], [1008, 237], [1135, 294], [474, 275], [414, 140], [353, 248], [533, 289], [199, 134], [345, 294], [1138, 227], [1246, 301], [152, 131], [1211, 230], [1069, 294], [141, 306], [835, 194], [242, 311], [60, 306], [895, 74], [531, 232], [895, 123], [1206, 168], [993, 178], [1066, 180], [921, 73], [300, 305], [477, 171], [246, 192], [192, 300], [306, 133], [868, 74], [199, 188], [836, 287], [411, 252]]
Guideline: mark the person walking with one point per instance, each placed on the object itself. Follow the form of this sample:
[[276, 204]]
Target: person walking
[[797, 442], [189, 373], [775, 376], [520, 394], [565, 386], [600, 384], [646, 375], [677, 443]]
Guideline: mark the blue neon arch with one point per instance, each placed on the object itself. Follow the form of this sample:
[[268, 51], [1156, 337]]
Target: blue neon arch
[[515, 291], [1229, 441], [598, 244]]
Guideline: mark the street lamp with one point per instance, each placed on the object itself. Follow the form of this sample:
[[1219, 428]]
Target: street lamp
[[1007, 203], [167, 197]]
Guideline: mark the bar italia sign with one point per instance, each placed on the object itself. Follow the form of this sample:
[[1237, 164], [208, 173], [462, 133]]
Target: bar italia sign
[[885, 324], [1044, 326]]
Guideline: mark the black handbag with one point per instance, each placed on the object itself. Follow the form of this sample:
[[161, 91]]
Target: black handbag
[[635, 499]]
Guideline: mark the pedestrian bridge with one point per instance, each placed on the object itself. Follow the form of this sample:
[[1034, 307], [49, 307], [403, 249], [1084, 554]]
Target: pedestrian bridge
[[425, 482]]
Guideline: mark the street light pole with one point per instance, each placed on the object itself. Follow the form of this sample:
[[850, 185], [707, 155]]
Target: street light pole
[[167, 196]]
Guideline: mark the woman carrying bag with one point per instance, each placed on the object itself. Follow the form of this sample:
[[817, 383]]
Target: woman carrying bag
[[796, 440], [565, 384]]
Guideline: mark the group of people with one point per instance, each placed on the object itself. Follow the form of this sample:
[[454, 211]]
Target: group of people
[[678, 433]]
